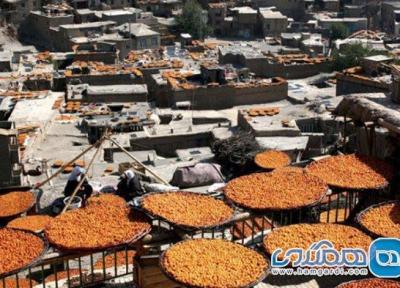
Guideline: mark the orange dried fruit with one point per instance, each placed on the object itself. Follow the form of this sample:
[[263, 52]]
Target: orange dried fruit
[[96, 226], [109, 169], [57, 163], [32, 223], [107, 200], [80, 163], [119, 258], [187, 208], [279, 190], [68, 169], [382, 220], [16, 202], [18, 249], [64, 275], [272, 159], [21, 283], [213, 263], [353, 171]]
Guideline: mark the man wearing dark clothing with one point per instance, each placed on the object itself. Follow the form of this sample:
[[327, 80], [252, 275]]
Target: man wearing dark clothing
[[129, 187]]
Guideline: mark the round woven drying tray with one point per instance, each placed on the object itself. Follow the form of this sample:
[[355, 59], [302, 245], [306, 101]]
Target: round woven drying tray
[[101, 248], [341, 188], [36, 232], [261, 211], [172, 278], [181, 226], [362, 213], [34, 261], [266, 168], [10, 217]]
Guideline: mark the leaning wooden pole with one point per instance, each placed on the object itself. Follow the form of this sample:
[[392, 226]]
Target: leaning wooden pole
[[154, 174], [83, 178], [61, 169]]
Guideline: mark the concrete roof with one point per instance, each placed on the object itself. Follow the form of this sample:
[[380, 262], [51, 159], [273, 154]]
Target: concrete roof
[[35, 111], [137, 29], [269, 14], [84, 11], [244, 10], [117, 89], [378, 58], [87, 25], [283, 143]]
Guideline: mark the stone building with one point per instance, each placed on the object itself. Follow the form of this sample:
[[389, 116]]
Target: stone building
[[390, 13], [291, 8], [10, 170], [217, 12], [15, 11], [95, 4], [273, 22], [36, 28]]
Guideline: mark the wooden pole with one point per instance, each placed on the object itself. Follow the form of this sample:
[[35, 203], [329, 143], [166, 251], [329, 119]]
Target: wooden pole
[[83, 178], [154, 174], [67, 164]]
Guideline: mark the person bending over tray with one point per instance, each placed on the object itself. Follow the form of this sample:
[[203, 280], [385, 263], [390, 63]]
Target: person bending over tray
[[76, 176], [129, 187]]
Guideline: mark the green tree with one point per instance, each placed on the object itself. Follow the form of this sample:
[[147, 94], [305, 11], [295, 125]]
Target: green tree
[[339, 31], [351, 55], [193, 20]]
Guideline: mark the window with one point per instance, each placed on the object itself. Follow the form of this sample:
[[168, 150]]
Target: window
[[142, 43], [154, 41]]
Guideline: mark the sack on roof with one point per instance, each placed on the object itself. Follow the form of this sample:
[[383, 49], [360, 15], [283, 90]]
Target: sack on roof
[[201, 174]]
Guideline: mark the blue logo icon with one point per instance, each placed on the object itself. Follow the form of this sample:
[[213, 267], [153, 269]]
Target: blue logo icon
[[384, 257]]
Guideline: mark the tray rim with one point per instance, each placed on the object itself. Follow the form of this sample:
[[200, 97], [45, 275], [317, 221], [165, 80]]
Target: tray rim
[[171, 277], [271, 168], [182, 226], [355, 189], [361, 214], [25, 210], [295, 208], [36, 260], [130, 241]]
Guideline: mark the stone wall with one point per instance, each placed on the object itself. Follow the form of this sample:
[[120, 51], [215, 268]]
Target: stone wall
[[347, 84], [105, 79], [222, 97]]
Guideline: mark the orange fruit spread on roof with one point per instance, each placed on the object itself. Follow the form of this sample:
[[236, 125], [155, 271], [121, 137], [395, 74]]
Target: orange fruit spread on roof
[[120, 259], [279, 190], [14, 203], [383, 220], [272, 159], [213, 263], [188, 209], [32, 223], [62, 275], [22, 283], [18, 249], [352, 171], [97, 226]]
